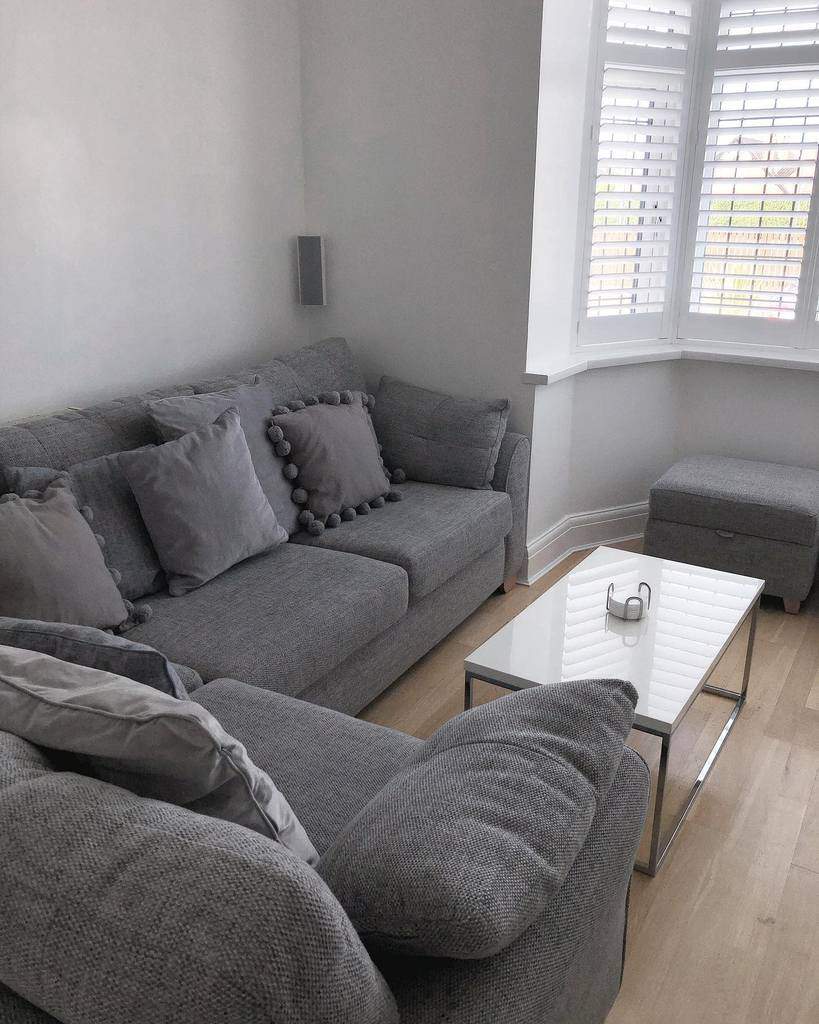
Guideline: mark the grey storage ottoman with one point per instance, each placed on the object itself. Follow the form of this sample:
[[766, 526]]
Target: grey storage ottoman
[[753, 518]]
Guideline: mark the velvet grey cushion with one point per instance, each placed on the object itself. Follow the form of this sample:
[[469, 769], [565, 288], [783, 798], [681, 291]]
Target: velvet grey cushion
[[333, 447], [100, 485], [144, 740], [177, 416], [51, 565], [94, 648], [467, 843], [760, 499], [128, 910], [202, 502], [437, 438]]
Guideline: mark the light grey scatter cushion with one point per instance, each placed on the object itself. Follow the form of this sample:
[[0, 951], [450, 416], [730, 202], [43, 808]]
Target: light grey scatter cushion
[[99, 485], [51, 564], [334, 452], [202, 503], [437, 438], [174, 417], [137, 737], [94, 648], [464, 846], [128, 910]]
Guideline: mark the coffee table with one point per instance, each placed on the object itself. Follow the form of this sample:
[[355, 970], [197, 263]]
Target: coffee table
[[669, 655]]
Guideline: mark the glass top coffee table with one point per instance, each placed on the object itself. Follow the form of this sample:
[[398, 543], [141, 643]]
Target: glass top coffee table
[[668, 655]]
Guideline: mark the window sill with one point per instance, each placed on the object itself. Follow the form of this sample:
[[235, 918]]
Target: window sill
[[753, 355]]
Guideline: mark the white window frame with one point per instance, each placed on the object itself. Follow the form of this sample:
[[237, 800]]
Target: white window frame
[[676, 326]]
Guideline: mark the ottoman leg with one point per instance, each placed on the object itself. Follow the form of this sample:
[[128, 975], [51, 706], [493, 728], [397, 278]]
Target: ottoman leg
[[791, 605]]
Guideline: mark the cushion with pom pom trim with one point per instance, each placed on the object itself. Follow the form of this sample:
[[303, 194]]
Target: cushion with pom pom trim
[[52, 567], [335, 451]]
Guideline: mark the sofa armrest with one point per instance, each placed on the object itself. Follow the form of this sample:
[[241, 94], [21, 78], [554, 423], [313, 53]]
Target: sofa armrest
[[512, 476], [566, 968]]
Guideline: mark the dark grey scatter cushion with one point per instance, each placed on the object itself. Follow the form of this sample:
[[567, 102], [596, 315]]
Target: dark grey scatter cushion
[[202, 503], [129, 910], [100, 485], [94, 648], [51, 564], [466, 844], [334, 449], [437, 438], [177, 416]]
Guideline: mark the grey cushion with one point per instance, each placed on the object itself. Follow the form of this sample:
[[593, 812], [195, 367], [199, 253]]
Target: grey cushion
[[438, 438], [189, 677], [279, 621], [51, 565], [175, 417], [202, 502], [469, 841], [100, 485], [134, 736], [95, 648], [329, 764], [761, 499], [156, 914], [326, 365], [333, 447], [433, 533]]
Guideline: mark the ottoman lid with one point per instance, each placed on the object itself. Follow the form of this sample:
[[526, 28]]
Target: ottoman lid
[[761, 499]]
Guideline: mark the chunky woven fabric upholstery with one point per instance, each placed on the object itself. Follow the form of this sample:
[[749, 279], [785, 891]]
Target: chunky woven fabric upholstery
[[761, 499], [352, 684], [280, 620], [477, 831], [512, 476], [752, 518], [133, 911], [566, 967], [433, 533], [327, 764]]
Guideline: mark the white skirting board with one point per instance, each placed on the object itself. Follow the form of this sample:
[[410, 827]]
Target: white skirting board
[[582, 530]]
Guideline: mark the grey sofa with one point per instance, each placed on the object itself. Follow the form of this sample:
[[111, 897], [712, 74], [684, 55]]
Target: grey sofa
[[333, 620], [123, 910]]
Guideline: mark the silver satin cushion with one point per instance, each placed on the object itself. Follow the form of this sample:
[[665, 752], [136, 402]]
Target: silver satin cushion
[[135, 737]]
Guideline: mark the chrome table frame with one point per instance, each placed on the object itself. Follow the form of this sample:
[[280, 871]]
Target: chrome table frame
[[660, 846]]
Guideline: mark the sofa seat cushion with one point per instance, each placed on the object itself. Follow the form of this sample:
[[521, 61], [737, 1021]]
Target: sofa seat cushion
[[433, 533], [281, 620], [760, 499], [329, 764]]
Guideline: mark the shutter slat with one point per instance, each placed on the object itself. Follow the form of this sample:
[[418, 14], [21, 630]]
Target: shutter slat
[[649, 23], [761, 25]]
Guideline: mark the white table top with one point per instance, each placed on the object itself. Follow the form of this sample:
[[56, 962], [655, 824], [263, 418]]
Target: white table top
[[668, 655]]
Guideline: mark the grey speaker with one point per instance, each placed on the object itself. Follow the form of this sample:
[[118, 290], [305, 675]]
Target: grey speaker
[[312, 285]]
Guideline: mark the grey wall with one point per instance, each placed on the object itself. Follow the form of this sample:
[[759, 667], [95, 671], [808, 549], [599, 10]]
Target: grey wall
[[151, 183], [420, 124]]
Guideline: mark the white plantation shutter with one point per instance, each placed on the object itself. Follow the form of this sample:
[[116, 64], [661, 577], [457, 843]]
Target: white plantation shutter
[[757, 186], [753, 231], [638, 132], [768, 23]]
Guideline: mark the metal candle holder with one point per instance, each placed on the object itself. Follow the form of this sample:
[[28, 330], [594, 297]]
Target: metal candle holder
[[633, 608]]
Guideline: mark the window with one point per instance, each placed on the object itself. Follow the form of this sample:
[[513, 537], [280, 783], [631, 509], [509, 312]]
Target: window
[[704, 135]]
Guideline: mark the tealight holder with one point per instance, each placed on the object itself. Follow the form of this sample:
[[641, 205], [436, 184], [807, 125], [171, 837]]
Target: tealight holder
[[633, 608]]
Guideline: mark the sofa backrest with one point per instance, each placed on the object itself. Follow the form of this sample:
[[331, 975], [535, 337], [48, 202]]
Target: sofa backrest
[[76, 435]]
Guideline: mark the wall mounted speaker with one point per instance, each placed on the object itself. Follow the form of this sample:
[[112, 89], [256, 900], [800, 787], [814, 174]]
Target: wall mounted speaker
[[312, 284]]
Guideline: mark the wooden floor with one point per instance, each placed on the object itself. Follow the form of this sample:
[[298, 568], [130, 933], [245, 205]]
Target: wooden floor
[[728, 931]]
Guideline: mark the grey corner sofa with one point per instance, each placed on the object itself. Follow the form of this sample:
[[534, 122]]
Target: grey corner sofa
[[122, 910], [333, 620]]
